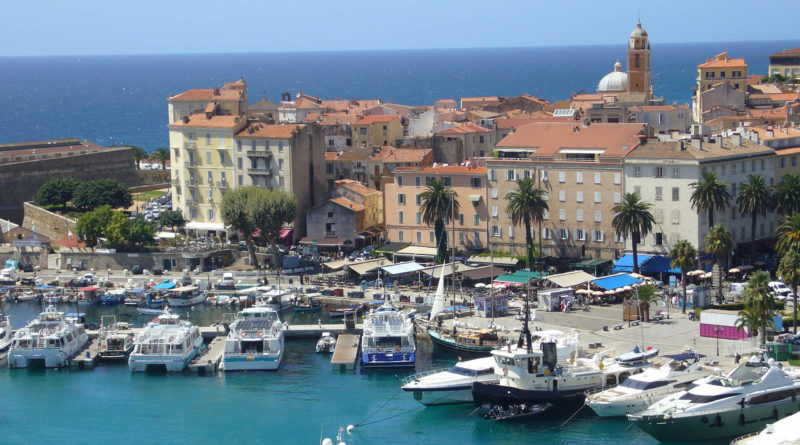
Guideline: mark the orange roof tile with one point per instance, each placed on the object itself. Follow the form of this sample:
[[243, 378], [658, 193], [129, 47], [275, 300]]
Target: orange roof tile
[[783, 133], [722, 61], [306, 103], [331, 155], [787, 53], [659, 107], [206, 94], [338, 119], [369, 120], [268, 131], [407, 155], [777, 97], [200, 120], [464, 128], [548, 138], [348, 204], [356, 187]]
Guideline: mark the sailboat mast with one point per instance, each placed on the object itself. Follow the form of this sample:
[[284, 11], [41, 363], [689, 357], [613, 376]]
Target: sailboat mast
[[453, 250]]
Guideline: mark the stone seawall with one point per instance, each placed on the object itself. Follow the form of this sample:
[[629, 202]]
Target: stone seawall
[[47, 223], [175, 261]]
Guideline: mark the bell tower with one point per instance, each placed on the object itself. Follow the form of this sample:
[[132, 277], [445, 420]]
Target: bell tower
[[639, 61]]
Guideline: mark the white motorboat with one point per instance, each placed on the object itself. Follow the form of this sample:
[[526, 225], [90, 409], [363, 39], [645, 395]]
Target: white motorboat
[[640, 390], [185, 296], [388, 338], [326, 343], [255, 341], [167, 343], [5, 333], [51, 339], [115, 340], [148, 311], [26, 296], [782, 432], [453, 385], [278, 299], [717, 407]]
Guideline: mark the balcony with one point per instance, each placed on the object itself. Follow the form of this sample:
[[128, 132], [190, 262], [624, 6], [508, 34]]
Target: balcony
[[329, 234], [191, 144], [191, 202], [259, 171], [259, 154], [176, 181]]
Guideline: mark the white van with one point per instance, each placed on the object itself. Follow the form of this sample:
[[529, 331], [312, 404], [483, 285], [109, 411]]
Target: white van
[[779, 289]]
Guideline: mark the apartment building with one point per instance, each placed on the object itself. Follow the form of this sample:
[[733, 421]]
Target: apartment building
[[379, 129], [720, 69]]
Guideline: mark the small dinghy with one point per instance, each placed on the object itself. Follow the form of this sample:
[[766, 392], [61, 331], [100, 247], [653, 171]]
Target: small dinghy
[[500, 413], [637, 355], [327, 343]]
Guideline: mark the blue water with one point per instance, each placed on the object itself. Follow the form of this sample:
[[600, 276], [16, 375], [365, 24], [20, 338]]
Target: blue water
[[114, 100]]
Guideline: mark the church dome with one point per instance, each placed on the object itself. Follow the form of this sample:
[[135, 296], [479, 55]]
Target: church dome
[[638, 31], [614, 81]]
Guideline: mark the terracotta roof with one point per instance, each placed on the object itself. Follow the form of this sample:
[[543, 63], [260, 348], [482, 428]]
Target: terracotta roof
[[777, 97], [356, 187], [206, 94], [768, 113], [482, 99], [795, 52], [331, 155], [312, 117], [753, 79], [672, 150], [464, 128], [338, 118], [258, 130], [348, 204], [404, 155], [787, 151], [548, 138], [353, 154], [369, 120], [200, 120], [70, 241], [306, 103], [722, 61], [452, 170], [783, 133], [350, 104]]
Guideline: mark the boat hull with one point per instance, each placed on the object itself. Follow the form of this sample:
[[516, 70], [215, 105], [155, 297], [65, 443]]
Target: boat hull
[[172, 363], [453, 395], [23, 359], [496, 394], [186, 302], [451, 345], [619, 409], [715, 425], [252, 362], [388, 359]]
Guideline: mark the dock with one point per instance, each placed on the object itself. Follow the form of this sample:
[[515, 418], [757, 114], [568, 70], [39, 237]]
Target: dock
[[208, 362], [346, 352], [88, 357], [305, 331]]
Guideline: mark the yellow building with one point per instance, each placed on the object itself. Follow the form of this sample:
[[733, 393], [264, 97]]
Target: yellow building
[[380, 130], [786, 63], [717, 70]]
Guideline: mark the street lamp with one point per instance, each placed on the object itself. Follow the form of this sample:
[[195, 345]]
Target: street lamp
[[717, 330]]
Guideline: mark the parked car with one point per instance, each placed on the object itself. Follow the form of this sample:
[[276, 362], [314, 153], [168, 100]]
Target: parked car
[[27, 268], [157, 271], [137, 269]]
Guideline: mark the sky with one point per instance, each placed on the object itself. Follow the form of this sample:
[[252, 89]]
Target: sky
[[93, 27]]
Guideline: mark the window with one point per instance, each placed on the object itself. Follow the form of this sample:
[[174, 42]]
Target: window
[[475, 182], [676, 172], [733, 212], [511, 231], [528, 174], [241, 180], [580, 235], [598, 197], [762, 165], [494, 193], [330, 214], [579, 215], [658, 215], [676, 194], [598, 216], [598, 236], [480, 139], [637, 172], [399, 235], [495, 231], [461, 234], [401, 199], [597, 178], [210, 178], [431, 236], [618, 237], [545, 177], [493, 175], [563, 234], [547, 233], [280, 164], [400, 217], [511, 175], [418, 199], [191, 178], [362, 131], [579, 177], [210, 196], [419, 237], [280, 181], [545, 195], [658, 172], [579, 196], [617, 197], [617, 179], [418, 217], [208, 138], [208, 157], [659, 193], [794, 161], [637, 190], [239, 146], [782, 162], [461, 219], [659, 239], [399, 181], [562, 195], [222, 157], [546, 214], [476, 219], [562, 176], [733, 189], [239, 163], [494, 212], [562, 214]]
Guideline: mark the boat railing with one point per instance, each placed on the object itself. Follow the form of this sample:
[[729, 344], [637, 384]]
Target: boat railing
[[419, 375], [403, 349], [741, 439]]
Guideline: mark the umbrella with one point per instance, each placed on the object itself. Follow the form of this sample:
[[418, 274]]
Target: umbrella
[[480, 285], [583, 291], [707, 275], [597, 293], [637, 276], [627, 288], [734, 270], [609, 292], [745, 268]]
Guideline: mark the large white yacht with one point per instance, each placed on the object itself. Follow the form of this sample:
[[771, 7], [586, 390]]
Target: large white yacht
[[255, 341], [166, 343], [744, 401], [388, 338], [51, 339], [782, 432], [639, 391], [5, 333], [450, 386]]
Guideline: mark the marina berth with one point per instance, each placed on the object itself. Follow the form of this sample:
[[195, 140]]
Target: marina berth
[[167, 343], [452, 385], [388, 339], [51, 339], [718, 407], [115, 340], [255, 341]]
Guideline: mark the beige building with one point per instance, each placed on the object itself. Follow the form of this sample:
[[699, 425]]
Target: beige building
[[379, 129], [461, 141], [580, 169], [403, 211], [786, 63], [718, 70]]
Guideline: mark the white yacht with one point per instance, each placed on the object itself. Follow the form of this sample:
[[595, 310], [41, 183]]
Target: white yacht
[[166, 343], [717, 407], [639, 391], [388, 338], [326, 343], [782, 432], [255, 341], [115, 340], [278, 299], [5, 333], [51, 339], [185, 296], [453, 385]]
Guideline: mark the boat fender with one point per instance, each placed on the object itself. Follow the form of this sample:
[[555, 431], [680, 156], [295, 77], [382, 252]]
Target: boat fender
[[600, 365], [741, 420], [704, 419], [244, 333], [397, 348], [505, 370], [260, 333]]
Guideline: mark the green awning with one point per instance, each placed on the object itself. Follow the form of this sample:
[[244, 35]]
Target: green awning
[[474, 198], [530, 274], [511, 279]]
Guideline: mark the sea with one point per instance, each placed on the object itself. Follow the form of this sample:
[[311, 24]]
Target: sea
[[121, 100]]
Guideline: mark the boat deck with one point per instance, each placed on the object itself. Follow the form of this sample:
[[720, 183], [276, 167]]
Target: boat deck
[[208, 361], [88, 357], [346, 352]]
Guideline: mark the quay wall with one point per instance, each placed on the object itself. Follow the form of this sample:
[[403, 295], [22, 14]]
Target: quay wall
[[49, 224], [174, 261], [21, 180]]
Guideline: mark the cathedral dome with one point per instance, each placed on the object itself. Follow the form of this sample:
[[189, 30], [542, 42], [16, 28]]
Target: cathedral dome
[[638, 31], [614, 81]]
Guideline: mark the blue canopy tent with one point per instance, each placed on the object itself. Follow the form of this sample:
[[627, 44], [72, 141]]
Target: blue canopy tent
[[616, 281], [660, 264], [625, 264], [166, 285]]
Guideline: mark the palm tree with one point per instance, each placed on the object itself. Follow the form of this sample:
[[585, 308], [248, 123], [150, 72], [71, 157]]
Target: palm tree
[[138, 154], [789, 235], [749, 320], [754, 198], [758, 296], [646, 295], [719, 242], [437, 200], [710, 194], [632, 217], [684, 256], [161, 155], [787, 194], [525, 204], [789, 271]]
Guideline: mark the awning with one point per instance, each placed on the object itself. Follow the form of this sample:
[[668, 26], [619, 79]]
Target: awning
[[335, 265], [164, 286], [498, 261], [436, 271], [570, 279], [324, 241], [625, 264], [402, 268], [166, 235], [390, 247], [474, 198], [204, 226], [590, 264], [284, 233], [417, 251], [185, 289], [511, 280], [612, 282], [482, 272], [530, 274], [659, 264], [365, 267]]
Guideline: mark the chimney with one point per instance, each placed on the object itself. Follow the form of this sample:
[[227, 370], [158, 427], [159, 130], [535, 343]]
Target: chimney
[[737, 139], [683, 145], [697, 143]]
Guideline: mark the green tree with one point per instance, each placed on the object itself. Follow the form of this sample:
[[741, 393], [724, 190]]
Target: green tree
[[526, 204], [787, 194], [118, 230], [138, 154], [57, 191], [719, 243], [172, 219], [92, 194], [646, 295], [271, 209], [140, 233], [789, 271], [749, 320], [161, 155], [237, 212], [754, 198], [437, 200], [632, 218], [684, 256], [92, 225], [710, 194], [758, 296], [789, 235]]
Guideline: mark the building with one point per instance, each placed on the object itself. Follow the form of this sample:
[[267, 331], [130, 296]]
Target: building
[[720, 69], [296, 111], [458, 142], [403, 206], [662, 172], [638, 61], [580, 169], [662, 118], [32, 151], [230, 100], [785, 140], [785, 63], [379, 129], [368, 165], [353, 216]]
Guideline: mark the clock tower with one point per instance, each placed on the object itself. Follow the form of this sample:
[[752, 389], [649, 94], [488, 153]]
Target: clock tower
[[639, 61]]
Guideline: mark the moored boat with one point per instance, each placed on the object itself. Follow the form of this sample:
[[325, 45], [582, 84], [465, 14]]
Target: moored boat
[[782, 432], [5, 333], [185, 296], [115, 341], [51, 339], [388, 339], [326, 343], [167, 343], [255, 341], [451, 385]]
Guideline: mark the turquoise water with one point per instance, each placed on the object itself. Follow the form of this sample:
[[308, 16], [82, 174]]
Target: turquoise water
[[293, 405]]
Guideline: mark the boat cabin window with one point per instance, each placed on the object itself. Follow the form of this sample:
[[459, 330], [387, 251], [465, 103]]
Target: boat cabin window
[[69, 336], [462, 371], [255, 346], [55, 343], [696, 398], [772, 397], [641, 385], [504, 361]]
